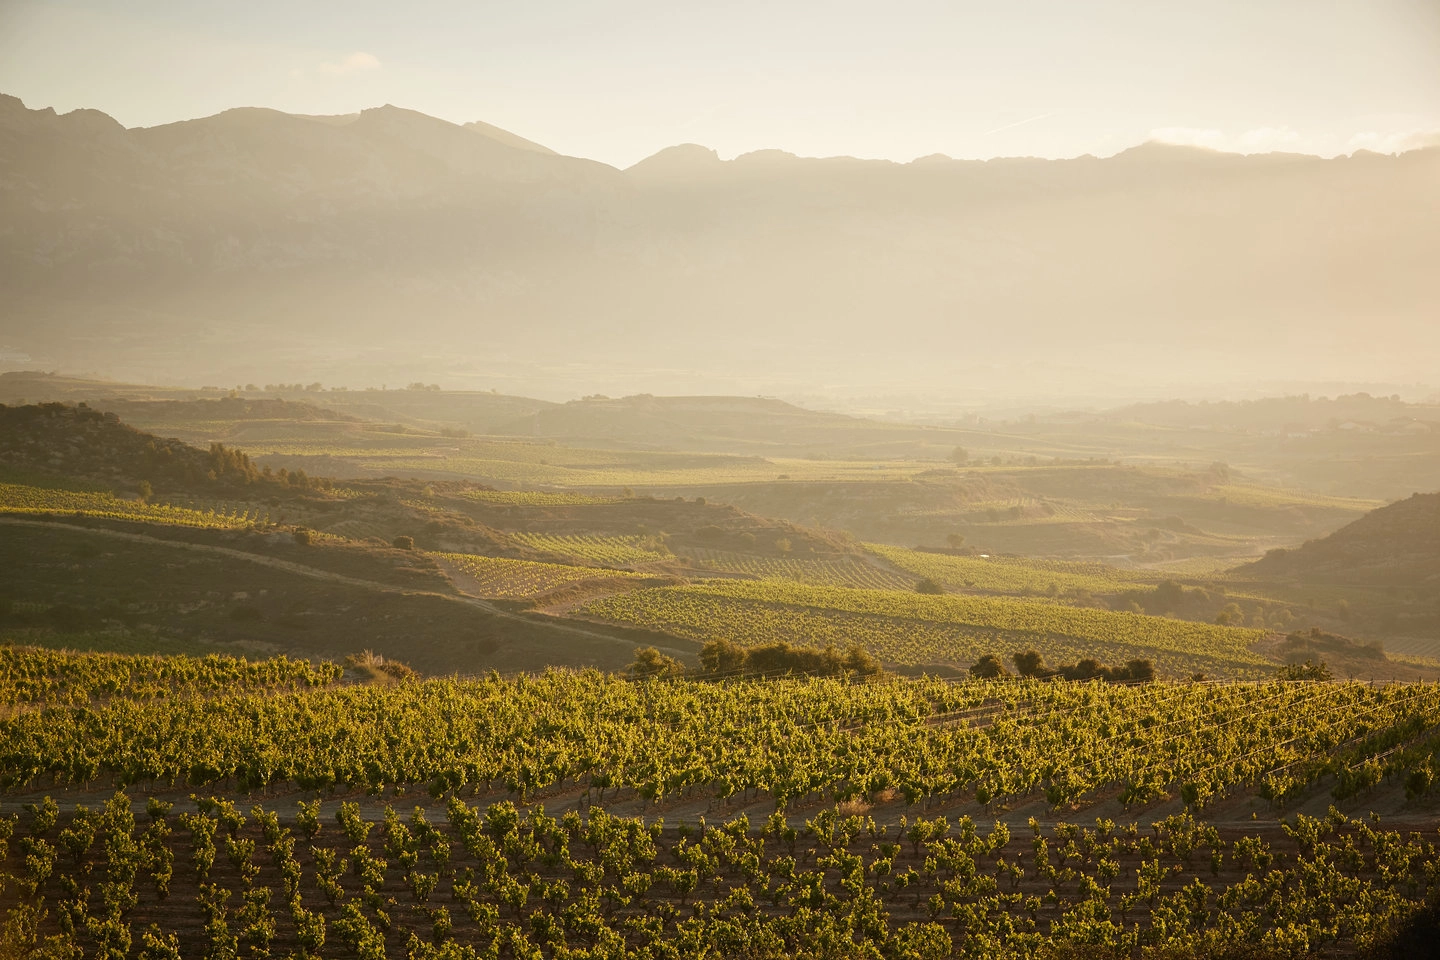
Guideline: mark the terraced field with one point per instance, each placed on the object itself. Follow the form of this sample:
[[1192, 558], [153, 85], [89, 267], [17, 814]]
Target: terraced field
[[601, 550]]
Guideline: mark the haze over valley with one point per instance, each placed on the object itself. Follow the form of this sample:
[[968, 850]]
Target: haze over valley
[[388, 246]]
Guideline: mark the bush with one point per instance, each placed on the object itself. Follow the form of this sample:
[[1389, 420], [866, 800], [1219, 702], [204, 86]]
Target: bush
[[650, 662], [929, 586], [403, 542], [1309, 670], [1030, 663], [723, 658], [988, 667]]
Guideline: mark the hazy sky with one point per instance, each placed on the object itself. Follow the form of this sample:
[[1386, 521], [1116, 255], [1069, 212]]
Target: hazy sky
[[617, 81]]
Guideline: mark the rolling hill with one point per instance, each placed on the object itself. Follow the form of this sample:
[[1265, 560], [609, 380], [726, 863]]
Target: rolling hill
[[1396, 546]]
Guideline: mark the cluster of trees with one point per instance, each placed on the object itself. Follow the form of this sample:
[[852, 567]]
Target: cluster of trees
[[1308, 670], [1030, 663], [725, 658]]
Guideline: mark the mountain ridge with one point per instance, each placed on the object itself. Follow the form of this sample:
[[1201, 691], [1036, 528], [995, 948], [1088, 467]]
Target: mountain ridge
[[398, 243]]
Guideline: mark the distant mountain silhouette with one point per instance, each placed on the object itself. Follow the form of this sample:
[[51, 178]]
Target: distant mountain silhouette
[[389, 244]]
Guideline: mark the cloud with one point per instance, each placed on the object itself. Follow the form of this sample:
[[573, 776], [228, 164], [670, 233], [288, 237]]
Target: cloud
[[1394, 141], [1289, 140], [1190, 137], [354, 63]]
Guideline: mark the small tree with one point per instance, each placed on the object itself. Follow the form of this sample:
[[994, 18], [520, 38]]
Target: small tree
[[929, 586], [955, 540], [1031, 663], [988, 667], [960, 456], [721, 656], [650, 662], [403, 542]]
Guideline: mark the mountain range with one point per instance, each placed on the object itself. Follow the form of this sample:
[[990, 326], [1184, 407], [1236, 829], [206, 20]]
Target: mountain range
[[387, 244]]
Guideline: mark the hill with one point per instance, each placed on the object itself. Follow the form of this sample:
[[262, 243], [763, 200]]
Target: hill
[[1396, 546], [460, 252], [80, 442]]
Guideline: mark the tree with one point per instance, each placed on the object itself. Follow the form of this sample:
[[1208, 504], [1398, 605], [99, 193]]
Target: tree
[[1031, 663], [929, 586], [650, 662], [988, 667], [955, 540], [722, 657], [960, 456], [403, 542]]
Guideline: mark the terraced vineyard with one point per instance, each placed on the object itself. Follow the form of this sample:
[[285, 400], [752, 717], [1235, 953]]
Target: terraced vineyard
[[610, 551], [840, 572], [504, 578], [20, 498], [910, 628]]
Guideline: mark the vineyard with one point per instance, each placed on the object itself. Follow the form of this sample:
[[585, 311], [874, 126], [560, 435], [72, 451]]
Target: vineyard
[[842, 819], [909, 628], [466, 881], [19, 498], [535, 498], [1008, 574], [503, 578], [841, 572], [790, 741], [605, 551], [29, 676]]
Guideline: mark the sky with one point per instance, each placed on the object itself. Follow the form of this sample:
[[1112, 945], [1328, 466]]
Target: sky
[[618, 80]]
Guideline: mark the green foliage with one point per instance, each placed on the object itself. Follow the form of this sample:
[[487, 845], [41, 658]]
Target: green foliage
[[1308, 670], [721, 658], [651, 664]]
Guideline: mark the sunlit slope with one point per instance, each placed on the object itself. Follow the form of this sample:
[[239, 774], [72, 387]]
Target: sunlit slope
[[910, 628]]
